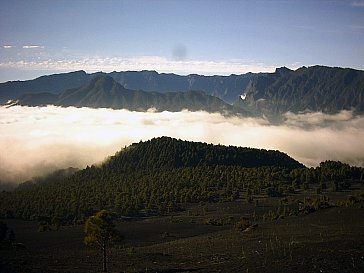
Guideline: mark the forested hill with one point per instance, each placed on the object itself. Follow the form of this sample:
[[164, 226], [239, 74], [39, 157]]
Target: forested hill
[[105, 92], [163, 175], [316, 88], [166, 152]]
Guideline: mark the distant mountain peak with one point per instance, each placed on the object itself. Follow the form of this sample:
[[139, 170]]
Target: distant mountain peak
[[282, 70]]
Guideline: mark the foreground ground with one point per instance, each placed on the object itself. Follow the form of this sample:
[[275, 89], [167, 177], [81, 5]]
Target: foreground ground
[[204, 239]]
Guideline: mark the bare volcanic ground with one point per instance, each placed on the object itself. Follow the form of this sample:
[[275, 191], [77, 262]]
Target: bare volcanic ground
[[203, 239]]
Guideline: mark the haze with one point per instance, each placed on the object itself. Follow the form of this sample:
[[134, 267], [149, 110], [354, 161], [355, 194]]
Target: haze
[[38, 140]]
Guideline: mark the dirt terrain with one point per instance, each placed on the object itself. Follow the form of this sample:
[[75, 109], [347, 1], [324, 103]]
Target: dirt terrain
[[204, 238]]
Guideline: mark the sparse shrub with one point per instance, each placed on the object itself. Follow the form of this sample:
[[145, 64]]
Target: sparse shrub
[[273, 193], [307, 209], [270, 216], [319, 203], [131, 251], [44, 223], [282, 211], [334, 186], [243, 224], [345, 185], [213, 222], [351, 200], [249, 199], [361, 196], [43, 226], [220, 221], [56, 222], [291, 189]]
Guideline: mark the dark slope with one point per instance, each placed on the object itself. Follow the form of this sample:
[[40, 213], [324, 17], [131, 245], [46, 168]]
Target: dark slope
[[51, 84], [104, 92], [317, 88]]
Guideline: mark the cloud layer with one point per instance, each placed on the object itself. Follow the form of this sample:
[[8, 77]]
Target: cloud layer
[[37, 140], [161, 64]]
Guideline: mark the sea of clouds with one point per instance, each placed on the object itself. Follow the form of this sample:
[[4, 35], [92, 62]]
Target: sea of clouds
[[37, 140]]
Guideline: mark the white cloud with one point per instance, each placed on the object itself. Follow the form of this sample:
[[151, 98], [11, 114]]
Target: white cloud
[[160, 64], [319, 119], [7, 46], [40, 139], [32, 46]]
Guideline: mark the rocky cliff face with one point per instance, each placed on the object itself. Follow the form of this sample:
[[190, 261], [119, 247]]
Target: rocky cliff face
[[317, 88]]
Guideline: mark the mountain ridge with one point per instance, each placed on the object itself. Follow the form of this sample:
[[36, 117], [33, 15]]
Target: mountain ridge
[[227, 88], [316, 88], [105, 92]]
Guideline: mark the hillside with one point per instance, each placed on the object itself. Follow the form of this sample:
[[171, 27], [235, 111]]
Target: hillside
[[104, 92], [317, 88], [190, 206], [151, 177]]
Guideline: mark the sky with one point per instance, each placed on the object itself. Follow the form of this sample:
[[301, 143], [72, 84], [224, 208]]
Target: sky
[[205, 37]]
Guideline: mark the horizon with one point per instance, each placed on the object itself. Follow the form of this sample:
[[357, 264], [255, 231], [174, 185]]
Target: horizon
[[178, 74], [181, 37]]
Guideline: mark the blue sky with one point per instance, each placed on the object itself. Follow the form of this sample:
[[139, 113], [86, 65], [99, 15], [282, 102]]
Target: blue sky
[[183, 37]]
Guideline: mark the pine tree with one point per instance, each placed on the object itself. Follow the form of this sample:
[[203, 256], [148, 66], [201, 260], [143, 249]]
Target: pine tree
[[100, 231]]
